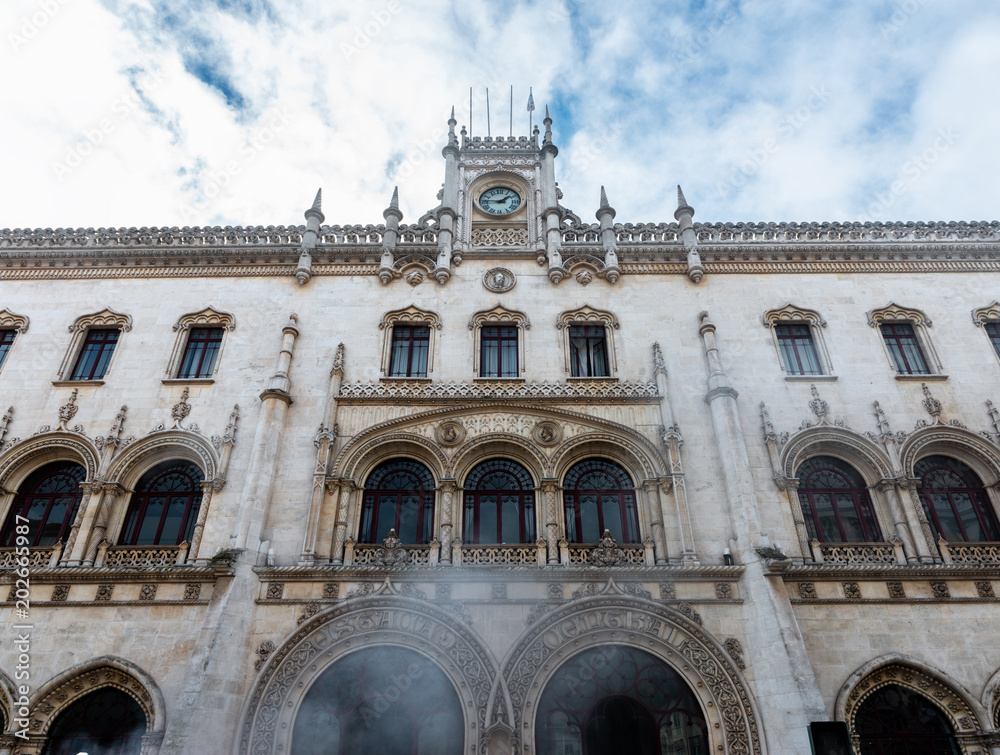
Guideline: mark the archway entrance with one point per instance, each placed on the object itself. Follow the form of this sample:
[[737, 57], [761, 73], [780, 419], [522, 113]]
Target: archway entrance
[[894, 720], [105, 722], [614, 699], [382, 700]]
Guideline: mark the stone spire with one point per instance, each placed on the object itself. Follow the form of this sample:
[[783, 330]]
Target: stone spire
[[452, 139], [548, 127], [550, 205], [392, 215], [606, 216], [314, 218], [684, 214]]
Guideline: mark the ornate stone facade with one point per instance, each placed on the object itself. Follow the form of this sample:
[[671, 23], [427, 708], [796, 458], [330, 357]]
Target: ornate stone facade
[[706, 555]]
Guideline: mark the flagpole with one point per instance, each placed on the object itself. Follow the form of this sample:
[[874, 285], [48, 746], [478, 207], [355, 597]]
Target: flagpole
[[489, 133], [512, 110], [471, 132]]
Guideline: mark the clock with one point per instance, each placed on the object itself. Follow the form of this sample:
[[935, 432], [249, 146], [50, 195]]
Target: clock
[[499, 200]]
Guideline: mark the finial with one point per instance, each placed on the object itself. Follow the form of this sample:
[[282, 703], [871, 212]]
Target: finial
[[683, 208], [393, 209], [394, 202], [605, 210], [547, 139], [547, 113], [604, 198], [316, 209]]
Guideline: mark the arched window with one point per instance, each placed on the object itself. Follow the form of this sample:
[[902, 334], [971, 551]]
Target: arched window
[[399, 495], [894, 719], [48, 499], [105, 722], [835, 504], [380, 699], [598, 495], [955, 501], [499, 503], [615, 699], [164, 506]]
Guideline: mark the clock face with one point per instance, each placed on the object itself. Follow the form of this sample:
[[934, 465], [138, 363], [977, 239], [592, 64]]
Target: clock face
[[499, 200]]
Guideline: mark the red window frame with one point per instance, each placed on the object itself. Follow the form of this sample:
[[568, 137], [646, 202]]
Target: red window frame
[[6, 342], [904, 348], [383, 489], [32, 492], [606, 485], [409, 352], [507, 482], [798, 349], [95, 354], [188, 497], [200, 353], [821, 469], [992, 330], [588, 351], [971, 493], [501, 340]]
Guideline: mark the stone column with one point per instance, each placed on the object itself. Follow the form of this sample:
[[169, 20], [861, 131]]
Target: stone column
[[900, 523], [550, 488], [923, 537], [251, 523], [447, 502], [83, 522], [774, 639], [208, 488], [347, 487], [651, 503], [789, 487]]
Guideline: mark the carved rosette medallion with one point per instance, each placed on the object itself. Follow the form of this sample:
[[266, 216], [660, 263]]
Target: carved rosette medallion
[[499, 280], [450, 433], [547, 433]]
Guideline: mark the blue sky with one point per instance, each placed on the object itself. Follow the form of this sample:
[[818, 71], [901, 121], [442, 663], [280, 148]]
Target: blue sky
[[217, 112]]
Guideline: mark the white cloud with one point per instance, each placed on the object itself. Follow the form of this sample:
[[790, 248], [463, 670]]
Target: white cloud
[[355, 97]]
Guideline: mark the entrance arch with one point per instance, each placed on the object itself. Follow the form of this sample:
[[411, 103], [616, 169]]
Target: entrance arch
[[617, 698], [408, 626], [673, 641]]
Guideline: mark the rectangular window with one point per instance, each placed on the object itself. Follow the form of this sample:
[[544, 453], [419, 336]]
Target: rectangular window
[[588, 354], [409, 351], [6, 341], [904, 348], [498, 357], [200, 354], [992, 330], [798, 350], [97, 349]]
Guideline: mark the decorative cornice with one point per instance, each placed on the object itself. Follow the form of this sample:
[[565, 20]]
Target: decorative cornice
[[675, 572], [791, 313], [982, 316], [895, 313], [418, 392]]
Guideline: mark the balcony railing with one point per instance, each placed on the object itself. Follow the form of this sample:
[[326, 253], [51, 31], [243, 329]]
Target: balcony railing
[[849, 554]]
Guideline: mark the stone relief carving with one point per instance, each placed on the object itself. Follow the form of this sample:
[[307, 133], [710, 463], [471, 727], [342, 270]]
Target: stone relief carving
[[498, 279], [450, 433], [735, 649]]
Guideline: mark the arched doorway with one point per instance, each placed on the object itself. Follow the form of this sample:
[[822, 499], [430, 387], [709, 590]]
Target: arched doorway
[[104, 722], [894, 720], [387, 700], [614, 699]]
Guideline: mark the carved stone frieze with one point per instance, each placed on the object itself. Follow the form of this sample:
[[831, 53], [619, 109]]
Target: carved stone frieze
[[610, 392]]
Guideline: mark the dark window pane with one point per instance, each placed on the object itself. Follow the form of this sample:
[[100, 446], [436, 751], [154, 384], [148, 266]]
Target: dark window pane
[[399, 495], [103, 722], [202, 350], [835, 502], [98, 346], [798, 350], [588, 351], [600, 495], [992, 330], [164, 507], [955, 500], [498, 352], [6, 341], [499, 517], [49, 499], [409, 351], [904, 349], [894, 719]]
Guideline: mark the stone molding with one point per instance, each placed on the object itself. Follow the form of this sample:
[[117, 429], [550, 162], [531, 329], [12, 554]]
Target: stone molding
[[982, 316], [411, 315], [608, 391], [386, 616], [17, 322]]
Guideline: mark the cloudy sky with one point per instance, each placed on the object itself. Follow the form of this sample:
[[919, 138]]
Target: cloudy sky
[[217, 112]]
